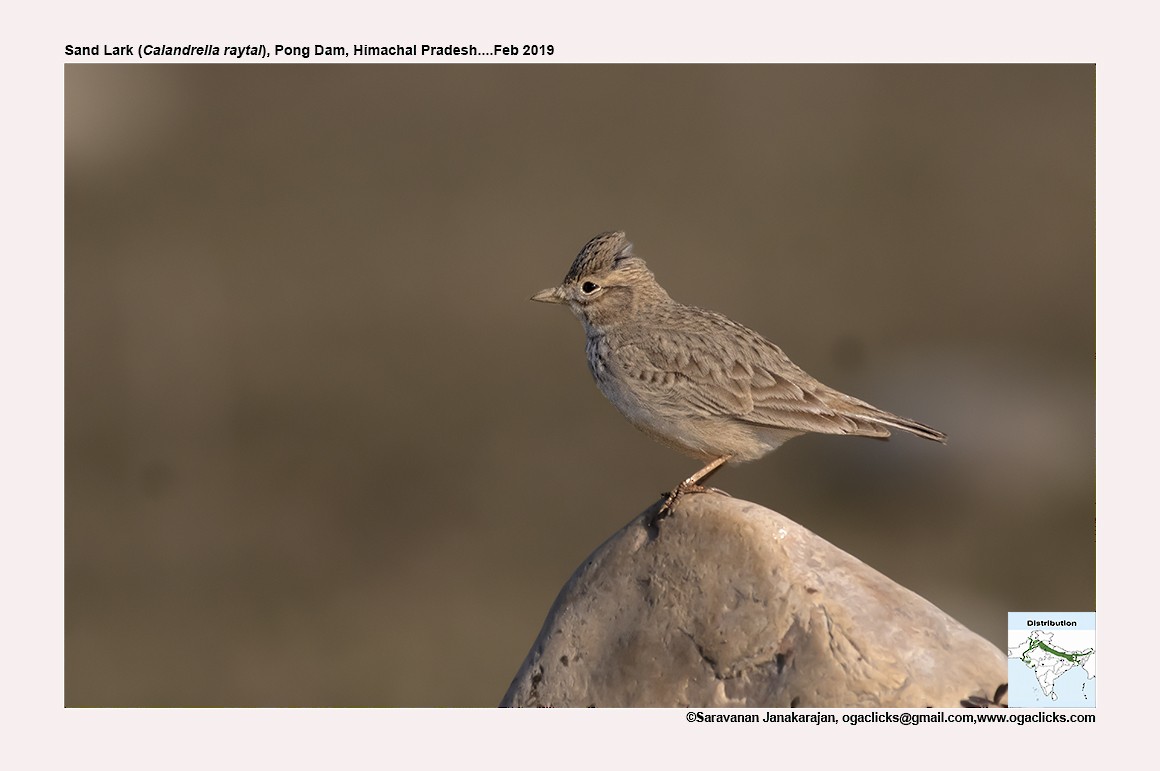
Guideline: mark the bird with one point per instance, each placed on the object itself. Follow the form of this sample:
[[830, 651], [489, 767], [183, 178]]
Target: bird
[[694, 379]]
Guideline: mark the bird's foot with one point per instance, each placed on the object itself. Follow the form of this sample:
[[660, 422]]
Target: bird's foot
[[672, 496], [690, 485]]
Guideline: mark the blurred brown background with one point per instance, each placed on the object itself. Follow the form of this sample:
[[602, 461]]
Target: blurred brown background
[[322, 450]]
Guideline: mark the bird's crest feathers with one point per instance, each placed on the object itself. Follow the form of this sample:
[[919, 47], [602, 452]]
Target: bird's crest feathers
[[602, 253]]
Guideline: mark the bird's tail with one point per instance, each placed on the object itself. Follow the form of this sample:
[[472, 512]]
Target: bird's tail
[[906, 424]]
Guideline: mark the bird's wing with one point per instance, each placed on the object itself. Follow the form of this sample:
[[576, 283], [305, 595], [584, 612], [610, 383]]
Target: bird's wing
[[717, 368]]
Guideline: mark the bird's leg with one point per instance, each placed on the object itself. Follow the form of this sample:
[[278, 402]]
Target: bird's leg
[[691, 485]]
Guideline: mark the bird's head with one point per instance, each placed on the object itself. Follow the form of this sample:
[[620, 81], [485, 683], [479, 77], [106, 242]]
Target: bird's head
[[606, 282]]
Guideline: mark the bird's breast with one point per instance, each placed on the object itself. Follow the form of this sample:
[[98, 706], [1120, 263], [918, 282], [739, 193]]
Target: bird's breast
[[598, 353]]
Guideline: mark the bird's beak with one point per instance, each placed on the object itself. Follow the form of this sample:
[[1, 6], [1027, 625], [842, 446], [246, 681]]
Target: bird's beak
[[553, 295]]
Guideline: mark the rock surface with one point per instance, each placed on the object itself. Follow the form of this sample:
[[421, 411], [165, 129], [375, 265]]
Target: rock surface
[[724, 603]]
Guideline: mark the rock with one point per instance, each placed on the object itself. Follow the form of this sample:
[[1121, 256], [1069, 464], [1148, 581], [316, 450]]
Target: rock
[[724, 603]]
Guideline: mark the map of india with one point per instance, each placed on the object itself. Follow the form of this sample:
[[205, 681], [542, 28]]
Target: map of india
[[1061, 658]]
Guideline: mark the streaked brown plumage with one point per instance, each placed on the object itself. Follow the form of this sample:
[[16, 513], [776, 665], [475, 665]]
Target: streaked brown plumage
[[693, 379]]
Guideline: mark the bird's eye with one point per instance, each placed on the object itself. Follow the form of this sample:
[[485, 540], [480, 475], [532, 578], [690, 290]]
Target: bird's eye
[[588, 287]]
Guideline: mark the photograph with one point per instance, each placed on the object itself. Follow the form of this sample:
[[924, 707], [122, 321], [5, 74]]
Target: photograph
[[460, 385]]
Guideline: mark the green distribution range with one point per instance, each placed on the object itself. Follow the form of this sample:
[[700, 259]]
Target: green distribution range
[[1072, 657]]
